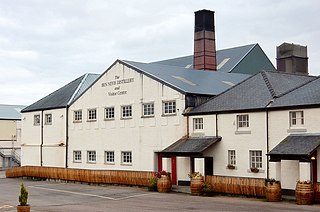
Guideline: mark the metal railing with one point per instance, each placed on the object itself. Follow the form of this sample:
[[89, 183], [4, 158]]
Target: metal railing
[[12, 155]]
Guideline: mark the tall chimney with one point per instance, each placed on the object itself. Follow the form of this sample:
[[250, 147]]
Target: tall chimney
[[292, 58], [204, 56]]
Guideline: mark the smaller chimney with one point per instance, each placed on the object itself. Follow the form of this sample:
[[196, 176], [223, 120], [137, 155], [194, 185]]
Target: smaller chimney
[[204, 56], [292, 58]]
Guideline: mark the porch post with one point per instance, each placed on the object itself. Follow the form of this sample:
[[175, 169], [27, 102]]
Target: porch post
[[174, 170], [159, 162]]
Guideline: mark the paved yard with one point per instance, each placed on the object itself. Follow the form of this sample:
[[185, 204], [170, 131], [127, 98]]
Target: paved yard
[[54, 196]]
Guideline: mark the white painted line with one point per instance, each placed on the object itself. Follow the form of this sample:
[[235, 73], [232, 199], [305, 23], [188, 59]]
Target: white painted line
[[71, 192], [138, 195], [92, 195], [6, 206]]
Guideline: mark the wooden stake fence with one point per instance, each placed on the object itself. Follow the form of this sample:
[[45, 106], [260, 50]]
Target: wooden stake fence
[[138, 178]]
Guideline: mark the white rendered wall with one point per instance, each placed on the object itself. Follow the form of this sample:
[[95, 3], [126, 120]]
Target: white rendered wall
[[142, 136], [54, 139]]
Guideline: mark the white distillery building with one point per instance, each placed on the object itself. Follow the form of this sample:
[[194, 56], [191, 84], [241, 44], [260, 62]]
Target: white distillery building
[[126, 117], [10, 135], [264, 127]]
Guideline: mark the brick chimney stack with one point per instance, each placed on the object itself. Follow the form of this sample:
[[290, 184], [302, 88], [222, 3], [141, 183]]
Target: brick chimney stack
[[204, 56]]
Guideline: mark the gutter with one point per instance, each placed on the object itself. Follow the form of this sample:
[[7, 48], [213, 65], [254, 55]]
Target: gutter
[[67, 135], [267, 136]]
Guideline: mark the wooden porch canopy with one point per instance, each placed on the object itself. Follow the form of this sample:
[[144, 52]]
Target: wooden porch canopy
[[189, 147], [296, 147]]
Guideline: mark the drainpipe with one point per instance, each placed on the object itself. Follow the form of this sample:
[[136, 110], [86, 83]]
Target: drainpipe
[[267, 135], [67, 135], [41, 144], [267, 124]]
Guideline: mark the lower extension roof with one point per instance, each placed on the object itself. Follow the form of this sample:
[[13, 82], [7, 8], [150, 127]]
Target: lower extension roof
[[295, 147], [190, 146]]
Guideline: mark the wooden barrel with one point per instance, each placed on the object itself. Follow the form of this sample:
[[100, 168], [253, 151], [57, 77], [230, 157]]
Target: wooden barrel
[[196, 186], [273, 192], [164, 184], [304, 193]]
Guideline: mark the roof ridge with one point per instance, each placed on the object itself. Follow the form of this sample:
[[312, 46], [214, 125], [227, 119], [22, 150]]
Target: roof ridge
[[78, 88], [269, 86], [291, 90]]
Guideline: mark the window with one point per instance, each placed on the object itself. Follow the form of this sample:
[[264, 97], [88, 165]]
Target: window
[[77, 156], [232, 157], [77, 115], [242, 121], [92, 114], [198, 124], [36, 120], [126, 111], [126, 157], [169, 107], [296, 118], [255, 159], [48, 119], [148, 109], [109, 156], [91, 156], [109, 113]]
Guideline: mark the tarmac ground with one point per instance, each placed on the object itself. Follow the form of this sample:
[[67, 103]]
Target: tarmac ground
[[60, 196]]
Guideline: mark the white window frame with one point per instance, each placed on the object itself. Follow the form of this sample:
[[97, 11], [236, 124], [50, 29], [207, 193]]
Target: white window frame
[[197, 124], [126, 111], [109, 157], [109, 113], [243, 121], [148, 109], [77, 115], [91, 156], [232, 158], [296, 118], [36, 120], [255, 159], [126, 157], [48, 119], [169, 107], [77, 156], [92, 114]]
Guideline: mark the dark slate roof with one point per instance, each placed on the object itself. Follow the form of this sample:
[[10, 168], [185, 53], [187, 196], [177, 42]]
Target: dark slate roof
[[297, 144], [10, 112], [64, 96], [189, 80], [227, 59], [255, 93], [187, 146], [302, 96]]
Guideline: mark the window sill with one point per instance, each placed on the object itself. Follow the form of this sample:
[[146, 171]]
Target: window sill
[[126, 164], [77, 122], [93, 120], [151, 116], [91, 162], [47, 123], [291, 130], [126, 118], [241, 132], [109, 163], [77, 162], [110, 119], [165, 115]]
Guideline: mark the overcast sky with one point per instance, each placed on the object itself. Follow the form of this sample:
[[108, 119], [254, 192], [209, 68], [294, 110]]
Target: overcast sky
[[45, 44]]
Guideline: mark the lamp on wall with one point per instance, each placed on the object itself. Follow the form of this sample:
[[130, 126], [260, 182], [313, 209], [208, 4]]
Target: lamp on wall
[[313, 157]]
